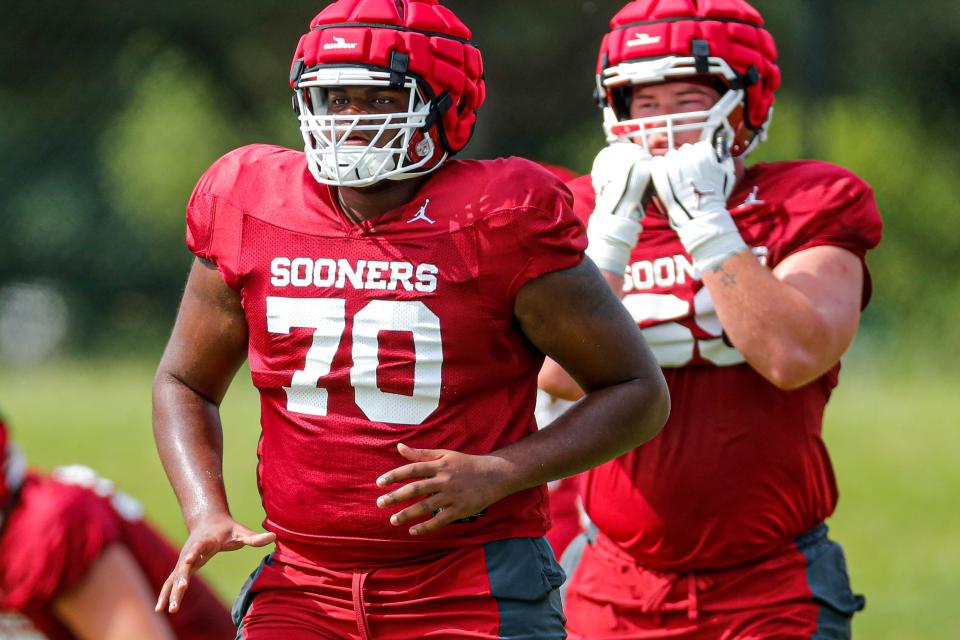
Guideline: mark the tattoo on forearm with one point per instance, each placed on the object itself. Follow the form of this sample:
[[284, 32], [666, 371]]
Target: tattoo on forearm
[[727, 279]]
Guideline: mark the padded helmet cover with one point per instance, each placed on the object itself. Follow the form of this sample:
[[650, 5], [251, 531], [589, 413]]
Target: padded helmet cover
[[369, 32], [733, 30]]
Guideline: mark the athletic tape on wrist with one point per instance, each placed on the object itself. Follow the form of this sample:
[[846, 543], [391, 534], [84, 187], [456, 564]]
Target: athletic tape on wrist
[[610, 241]]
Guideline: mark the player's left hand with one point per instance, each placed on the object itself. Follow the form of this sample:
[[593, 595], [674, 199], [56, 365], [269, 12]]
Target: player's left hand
[[453, 486], [693, 184]]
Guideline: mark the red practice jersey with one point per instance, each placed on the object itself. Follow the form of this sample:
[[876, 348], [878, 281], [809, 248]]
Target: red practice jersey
[[397, 329], [57, 530], [564, 498], [740, 468]]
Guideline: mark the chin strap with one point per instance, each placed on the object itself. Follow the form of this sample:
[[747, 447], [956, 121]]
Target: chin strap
[[438, 107], [746, 79]]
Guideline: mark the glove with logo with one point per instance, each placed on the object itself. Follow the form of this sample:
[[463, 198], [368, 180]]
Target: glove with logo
[[621, 176], [693, 184]]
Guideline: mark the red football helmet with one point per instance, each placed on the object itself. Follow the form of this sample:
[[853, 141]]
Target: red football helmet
[[12, 467], [419, 45], [654, 41]]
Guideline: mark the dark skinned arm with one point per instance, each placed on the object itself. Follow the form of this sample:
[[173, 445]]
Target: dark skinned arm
[[553, 378], [574, 317], [207, 346]]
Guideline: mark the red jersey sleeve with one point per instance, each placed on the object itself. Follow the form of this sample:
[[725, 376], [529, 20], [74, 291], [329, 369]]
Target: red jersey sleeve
[[584, 197], [846, 215], [830, 206], [215, 212], [532, 231], [53, 536]]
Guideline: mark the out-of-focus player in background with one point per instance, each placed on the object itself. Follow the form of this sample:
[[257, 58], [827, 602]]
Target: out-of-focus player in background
[[394, 308], [748, 284], [77, 560], [567, 518]]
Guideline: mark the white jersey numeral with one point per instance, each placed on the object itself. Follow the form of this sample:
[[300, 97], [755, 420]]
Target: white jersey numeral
[[391, 315], [673, 343], [327, 317]]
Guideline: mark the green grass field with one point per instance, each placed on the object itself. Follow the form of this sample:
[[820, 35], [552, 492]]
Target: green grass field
[[895, 444]]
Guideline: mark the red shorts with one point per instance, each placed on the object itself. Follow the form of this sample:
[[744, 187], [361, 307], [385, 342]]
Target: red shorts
[[802, 592], [503, 589]]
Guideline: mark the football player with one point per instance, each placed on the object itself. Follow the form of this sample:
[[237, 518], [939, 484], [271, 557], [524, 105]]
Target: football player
[[394, 307], [748, 284], [79, 561]]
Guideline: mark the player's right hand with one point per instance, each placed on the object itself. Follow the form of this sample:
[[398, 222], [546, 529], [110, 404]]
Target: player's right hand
[[208, 537], [621, 177], [621, 181]]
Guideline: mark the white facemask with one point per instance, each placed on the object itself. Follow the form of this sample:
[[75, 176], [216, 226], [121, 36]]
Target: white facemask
[[387, 156]]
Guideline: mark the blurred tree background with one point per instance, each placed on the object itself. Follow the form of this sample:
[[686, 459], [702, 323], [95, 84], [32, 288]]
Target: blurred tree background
[[109, 111]]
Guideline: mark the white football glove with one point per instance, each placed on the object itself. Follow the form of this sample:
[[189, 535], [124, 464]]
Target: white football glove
[[693, 184], [621, 175]]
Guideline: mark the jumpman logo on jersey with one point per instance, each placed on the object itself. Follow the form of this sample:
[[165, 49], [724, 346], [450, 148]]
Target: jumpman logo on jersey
[[752, 198], [700, 194], [422, 214]]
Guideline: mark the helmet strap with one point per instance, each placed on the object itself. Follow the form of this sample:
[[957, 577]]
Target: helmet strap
[[747, 79], [438, 107], [700, 50], [399, 66]]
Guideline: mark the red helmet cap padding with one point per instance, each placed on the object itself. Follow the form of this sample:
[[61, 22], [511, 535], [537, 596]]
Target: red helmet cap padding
[[733, 28], [431, 34]]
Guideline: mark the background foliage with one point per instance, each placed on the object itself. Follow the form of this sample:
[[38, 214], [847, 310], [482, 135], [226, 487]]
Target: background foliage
[[109, 112], [895, 462]]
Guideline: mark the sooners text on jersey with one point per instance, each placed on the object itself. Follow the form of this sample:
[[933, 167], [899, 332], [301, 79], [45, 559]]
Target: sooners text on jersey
[[398, 329], [740, 467]]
